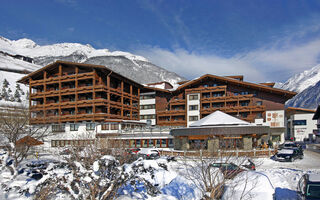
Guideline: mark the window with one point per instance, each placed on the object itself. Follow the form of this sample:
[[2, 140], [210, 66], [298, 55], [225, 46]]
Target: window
[[244, 115], [138, 143], [163, 143], [104, 126], [74, 127], [147, 96], [90, 126], [193, 97], [259, 115], [193, 107], [114, 126], [299, 122], [193, 118], [244, 103], [259, 103], [151, 143], [244, 93], [171, 145], [58, 128], [147, 116], [145, 107]]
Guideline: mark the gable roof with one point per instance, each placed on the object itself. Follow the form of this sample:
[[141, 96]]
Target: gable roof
[[300, 109], [29, 141], [219, 118], [25, 79], [289, 94]]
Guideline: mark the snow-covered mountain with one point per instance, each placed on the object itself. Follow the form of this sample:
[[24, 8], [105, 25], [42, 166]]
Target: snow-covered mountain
[[134, 67], [303, 80], [308, 98], [307, 85]]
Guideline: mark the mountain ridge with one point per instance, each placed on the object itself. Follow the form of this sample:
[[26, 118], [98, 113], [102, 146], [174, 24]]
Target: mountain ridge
[[132, 66]]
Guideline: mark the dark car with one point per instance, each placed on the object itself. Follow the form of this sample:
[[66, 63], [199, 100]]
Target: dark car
[[289, 154], [309, 187], [133, 150], [229, 170], [289, 145]]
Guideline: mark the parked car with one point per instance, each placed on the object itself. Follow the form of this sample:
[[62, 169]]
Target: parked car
[[149, 153], [133, 150], [229, 170], [309, 187], [288, 145], [289, 155]]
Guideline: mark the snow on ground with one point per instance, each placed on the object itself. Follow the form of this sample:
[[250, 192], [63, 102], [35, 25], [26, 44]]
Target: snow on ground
[[280, 178]]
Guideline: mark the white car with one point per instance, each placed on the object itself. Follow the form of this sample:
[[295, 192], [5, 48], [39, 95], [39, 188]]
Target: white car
[[149, 153]]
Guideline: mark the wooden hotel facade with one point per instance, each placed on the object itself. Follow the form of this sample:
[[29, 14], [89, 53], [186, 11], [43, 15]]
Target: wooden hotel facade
[[66, 95]]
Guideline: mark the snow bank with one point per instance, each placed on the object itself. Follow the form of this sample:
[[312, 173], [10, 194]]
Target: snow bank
[[249, 185]]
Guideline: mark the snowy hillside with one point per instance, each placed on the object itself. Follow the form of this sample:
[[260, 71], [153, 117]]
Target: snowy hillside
[[302, 81], [11, 92], [134, 67], [7, 62]]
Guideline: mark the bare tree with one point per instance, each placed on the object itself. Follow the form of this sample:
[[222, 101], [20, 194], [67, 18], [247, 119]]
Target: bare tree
[[204, 171], [14, 125]]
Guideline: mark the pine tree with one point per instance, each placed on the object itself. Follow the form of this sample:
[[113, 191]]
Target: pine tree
[[18, 87], [4, 93], [17, 96], [5, 83]]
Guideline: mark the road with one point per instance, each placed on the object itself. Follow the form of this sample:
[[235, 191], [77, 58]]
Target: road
[[314, 148]]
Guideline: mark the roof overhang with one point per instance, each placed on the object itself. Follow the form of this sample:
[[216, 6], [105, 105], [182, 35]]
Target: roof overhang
[[288, 94], [25, 79], [221, 130]]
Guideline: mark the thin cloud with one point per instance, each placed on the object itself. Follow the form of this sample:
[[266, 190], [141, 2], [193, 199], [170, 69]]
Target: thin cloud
[[265, 64]]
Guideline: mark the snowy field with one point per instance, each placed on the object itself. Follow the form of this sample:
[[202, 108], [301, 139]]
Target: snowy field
[[170, 178]]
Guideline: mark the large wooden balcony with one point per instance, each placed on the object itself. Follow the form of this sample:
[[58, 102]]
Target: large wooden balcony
[[227, 98], [64, 78], [172, 123], [77, 118], [249, 109], [206, 89], [171, 113]]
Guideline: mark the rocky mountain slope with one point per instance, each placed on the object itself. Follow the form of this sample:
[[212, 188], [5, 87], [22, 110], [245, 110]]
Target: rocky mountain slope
[[307, 85], [134, 67], [303, 80], [308, 98]]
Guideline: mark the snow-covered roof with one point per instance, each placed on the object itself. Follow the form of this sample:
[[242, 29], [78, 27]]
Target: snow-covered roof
[[314, 177], [219, 118]]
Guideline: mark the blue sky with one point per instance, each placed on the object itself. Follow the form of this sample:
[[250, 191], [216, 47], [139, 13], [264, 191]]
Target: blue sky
[[266, 40]]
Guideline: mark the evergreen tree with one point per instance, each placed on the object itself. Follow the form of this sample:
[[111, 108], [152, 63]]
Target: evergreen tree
[[5, 83], [18, 87], [4, 94], [17, 96]]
